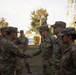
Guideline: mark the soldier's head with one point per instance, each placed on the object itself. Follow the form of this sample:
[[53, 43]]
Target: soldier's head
[[58, 27], [43, 30], [12, 32], [3, 31], [68, 35], [21, 32]]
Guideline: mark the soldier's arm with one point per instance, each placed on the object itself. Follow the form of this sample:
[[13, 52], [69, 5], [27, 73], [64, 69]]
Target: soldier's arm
[[15, 51], [74, 56], [26, 45], [37, 51], [24, 48]]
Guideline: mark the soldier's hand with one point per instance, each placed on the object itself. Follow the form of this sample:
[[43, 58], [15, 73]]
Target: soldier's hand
[[31, 55]]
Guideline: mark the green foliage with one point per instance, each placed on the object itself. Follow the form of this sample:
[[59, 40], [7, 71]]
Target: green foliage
[[38, 17], [28, 32], [3, 23]]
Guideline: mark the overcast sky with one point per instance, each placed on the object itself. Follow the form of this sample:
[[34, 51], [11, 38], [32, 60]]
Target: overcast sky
[[17, 12]]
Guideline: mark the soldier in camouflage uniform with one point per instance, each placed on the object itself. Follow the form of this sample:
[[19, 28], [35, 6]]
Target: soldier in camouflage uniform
[[22, 43], [23, 40], [57, 47], [46, 48], [8, 53], [68, 62]]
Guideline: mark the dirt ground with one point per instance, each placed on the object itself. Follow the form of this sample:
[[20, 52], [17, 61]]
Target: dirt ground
[[35, 62]]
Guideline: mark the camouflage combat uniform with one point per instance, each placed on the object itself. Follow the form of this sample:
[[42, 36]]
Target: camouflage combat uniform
[[68, 65], [57, 55], [57, 48], [22, 43], [68, 62], [8, 52], [46, 48]]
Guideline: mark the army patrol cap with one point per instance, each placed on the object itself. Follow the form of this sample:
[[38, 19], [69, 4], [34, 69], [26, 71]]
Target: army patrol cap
[[59, 24], [43, 28], [4, 29], [12, 29], [69, 30]]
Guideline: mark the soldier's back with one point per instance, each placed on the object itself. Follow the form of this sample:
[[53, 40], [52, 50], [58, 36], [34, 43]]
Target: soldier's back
[[7, 61]]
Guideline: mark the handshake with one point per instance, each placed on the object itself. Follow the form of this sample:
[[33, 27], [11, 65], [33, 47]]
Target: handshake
[[30, 55]]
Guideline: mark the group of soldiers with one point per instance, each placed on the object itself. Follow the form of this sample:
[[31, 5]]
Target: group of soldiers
[[13, 57], [58, 53]]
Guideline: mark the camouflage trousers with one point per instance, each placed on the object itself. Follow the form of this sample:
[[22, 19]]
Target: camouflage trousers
[[27, 65], [6, 74], [19, 66], [55, 71], [47, 70], [7, 69]]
